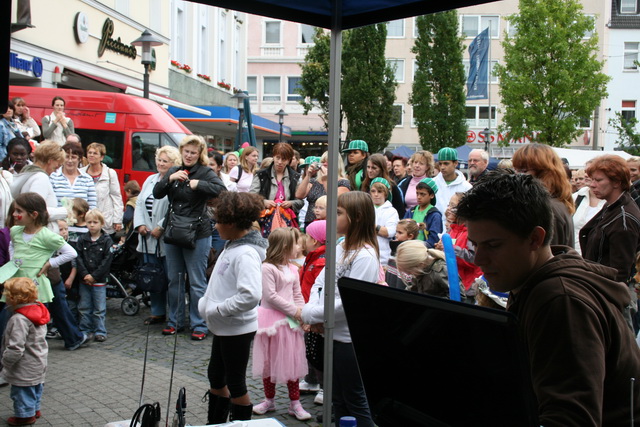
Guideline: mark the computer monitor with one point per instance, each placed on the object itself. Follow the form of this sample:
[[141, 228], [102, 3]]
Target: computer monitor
[[433, 362]]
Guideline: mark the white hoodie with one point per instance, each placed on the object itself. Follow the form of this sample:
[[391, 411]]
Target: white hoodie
[[446, 191], [230, 304], [386, 216]]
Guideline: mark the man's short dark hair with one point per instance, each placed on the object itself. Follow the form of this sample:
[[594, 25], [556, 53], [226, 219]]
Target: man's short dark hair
[[518, 202]]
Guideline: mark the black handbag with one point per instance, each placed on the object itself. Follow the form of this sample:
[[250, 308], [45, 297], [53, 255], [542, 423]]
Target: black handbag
[[151, 276], [182, 231], [314, 344]]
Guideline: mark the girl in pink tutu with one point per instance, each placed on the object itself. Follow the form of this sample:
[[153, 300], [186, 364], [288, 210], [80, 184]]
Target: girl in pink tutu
[[278, 349]]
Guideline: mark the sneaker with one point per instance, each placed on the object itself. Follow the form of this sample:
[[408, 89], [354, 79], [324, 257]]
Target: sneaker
[[319, 399], [198, 336], [38, 414], [306, 387], [100, 338], [86, 339], [170, 330], [18, 421], [54, 334], [268, 405], [296, 409]]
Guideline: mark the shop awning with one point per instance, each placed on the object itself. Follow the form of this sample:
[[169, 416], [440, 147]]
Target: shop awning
[[225, 120]]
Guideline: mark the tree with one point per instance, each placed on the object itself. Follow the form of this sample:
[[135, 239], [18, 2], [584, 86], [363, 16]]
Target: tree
[[368, 86], [314, 79], [628, 137], [551, 78], [437, 96]]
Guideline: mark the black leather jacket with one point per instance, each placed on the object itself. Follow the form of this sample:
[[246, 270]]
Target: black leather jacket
[[187, 202]]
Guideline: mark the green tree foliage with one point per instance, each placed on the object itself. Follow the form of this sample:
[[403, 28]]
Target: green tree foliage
[[368, 86], [437, 96], [314, 80], [628, 137], [551, 77]]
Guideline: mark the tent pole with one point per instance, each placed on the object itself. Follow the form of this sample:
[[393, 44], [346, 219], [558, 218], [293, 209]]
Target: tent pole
[[332, 207]]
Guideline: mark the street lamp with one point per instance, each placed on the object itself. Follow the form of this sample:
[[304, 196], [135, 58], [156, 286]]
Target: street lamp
[[486, 133], [240, 97], [281, 115], [146, 41]]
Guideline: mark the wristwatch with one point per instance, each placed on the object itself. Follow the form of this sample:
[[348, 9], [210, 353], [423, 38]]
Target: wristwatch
[[378, 228]]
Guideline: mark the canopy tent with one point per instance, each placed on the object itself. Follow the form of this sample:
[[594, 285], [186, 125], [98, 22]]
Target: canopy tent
[[403, 151], [337, 15], [578, 158]]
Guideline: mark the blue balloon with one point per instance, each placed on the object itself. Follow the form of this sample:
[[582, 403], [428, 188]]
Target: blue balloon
[[452, 268]]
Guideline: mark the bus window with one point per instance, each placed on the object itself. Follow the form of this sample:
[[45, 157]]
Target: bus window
[[112, 140], [144, 146]]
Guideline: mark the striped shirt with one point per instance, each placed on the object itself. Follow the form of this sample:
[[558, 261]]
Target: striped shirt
[[83, 188]]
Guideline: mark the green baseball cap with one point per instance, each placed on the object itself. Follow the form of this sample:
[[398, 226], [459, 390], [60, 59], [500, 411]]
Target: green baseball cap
[[447, 153], [432, 185], [357, 144]]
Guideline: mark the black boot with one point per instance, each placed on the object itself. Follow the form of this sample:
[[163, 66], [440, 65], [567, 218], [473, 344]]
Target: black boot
[[241, 412], [218, 410]]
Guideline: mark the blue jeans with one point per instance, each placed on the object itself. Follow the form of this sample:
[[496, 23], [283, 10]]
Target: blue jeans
[[349, 398], [158, 299], [93, 309], [62, 316], [216, 241], [194, 263], [26, 400]]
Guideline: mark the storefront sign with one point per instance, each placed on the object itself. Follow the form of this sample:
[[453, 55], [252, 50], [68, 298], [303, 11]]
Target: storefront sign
[[34, 65], [106, 42], [81, 27], [478, 137]]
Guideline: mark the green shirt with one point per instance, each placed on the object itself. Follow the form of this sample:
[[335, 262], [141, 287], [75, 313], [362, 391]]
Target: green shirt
[[29, 257], [419, 216]]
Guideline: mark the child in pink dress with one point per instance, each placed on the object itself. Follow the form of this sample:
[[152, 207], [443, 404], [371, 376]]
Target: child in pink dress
[[278, 349]]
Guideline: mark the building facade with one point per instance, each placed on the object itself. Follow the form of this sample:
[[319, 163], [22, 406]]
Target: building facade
[[623, 29]]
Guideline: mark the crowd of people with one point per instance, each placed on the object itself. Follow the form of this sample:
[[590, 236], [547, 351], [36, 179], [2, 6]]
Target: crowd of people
[[245, 240]]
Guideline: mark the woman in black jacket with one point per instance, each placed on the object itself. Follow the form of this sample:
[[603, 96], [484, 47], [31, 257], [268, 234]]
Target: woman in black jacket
[[188, 187]]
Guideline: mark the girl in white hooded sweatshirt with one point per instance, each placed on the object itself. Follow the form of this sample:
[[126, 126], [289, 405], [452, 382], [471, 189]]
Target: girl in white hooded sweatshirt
[[357, 257], [230, 305], [386, 217]]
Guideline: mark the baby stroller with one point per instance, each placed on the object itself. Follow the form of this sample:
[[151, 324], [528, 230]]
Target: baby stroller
[[122, 281]]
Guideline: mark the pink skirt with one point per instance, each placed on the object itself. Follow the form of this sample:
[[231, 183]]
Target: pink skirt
[[278, 350]]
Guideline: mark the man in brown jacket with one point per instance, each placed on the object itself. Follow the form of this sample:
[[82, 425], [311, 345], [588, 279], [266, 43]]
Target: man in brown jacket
[[582, 354]]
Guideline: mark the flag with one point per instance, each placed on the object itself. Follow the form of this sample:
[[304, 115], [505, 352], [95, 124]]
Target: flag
[[477, 83]]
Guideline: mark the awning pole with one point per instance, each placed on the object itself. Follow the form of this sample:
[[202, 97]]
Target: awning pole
[[332, 207]]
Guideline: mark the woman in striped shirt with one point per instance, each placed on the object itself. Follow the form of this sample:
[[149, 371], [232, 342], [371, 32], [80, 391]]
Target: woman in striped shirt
[[69, 182]]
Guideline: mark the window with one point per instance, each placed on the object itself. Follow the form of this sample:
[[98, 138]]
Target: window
[[513, 29], [306, 33], [398, 114], [122, 6], [178, 41], [155, 15], [395, 29], [628, 110], [293, 84], [222, 53], [631, 55], [589, 33], [472, 25], [271, 89], [585, 123], [397, 65], [478, 116], [112, 140], [415, 27], [466, 63], [272, 32], [203, 42], [252, 88], [143, 149], [628, 6]]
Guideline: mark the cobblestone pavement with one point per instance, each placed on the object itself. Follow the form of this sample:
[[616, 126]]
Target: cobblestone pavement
[[99, 384]]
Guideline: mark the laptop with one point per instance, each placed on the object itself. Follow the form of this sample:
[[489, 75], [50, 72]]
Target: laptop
[[428, 361]]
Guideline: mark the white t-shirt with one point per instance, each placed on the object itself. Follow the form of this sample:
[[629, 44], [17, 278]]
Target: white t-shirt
[[244, 184]]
